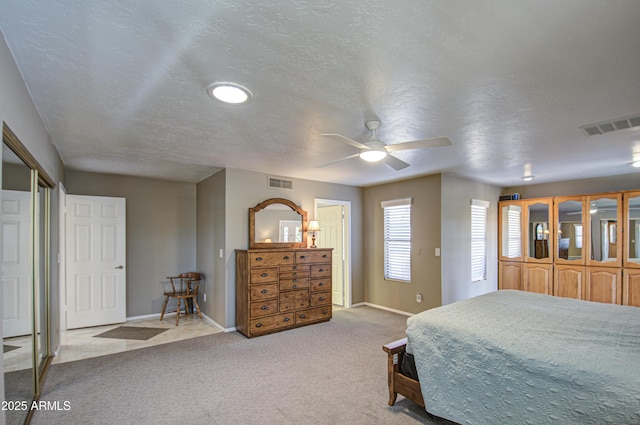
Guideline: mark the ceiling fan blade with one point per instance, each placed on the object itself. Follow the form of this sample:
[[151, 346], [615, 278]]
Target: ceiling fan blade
[[419, 144], [395, 163], [346, 140], [338, 160]]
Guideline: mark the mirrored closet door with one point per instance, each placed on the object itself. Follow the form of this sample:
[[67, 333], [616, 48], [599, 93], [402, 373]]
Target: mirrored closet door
[[25, 231]]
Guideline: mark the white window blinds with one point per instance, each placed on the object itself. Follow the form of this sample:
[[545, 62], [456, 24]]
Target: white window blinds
[[478, 240], [397, 239]]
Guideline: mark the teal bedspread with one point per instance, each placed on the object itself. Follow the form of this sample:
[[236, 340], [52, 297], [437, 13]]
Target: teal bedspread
[[512, 357]]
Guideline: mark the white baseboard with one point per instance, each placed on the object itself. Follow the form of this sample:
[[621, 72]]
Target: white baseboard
[[171, 313], [393, 310]]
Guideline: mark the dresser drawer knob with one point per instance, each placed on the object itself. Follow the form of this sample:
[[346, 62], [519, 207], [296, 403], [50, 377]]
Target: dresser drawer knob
[[294, 280], [258, 258], [264, 291], [264, 307], [302, 316], [321, 284], [324, 256], [286, 257], [264, 275], [320, 270], [286, 319], [258, 325], [325, 311], [302, 257], [295, 286], [321, 298]]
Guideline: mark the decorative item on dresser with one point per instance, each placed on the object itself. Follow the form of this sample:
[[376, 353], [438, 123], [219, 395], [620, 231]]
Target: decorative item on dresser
[[280, 285]]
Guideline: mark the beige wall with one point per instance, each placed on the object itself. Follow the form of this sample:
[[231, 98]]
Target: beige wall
[[457, 194], [425, 238], [161, 231], [210, 239], [245, 189]]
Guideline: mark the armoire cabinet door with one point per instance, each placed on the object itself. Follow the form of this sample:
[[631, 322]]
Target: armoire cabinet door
[[631, 287], [510, 275], [569, 281], [572, 237], [604, 224], [538, 278], [631, 217], [510, 231], [538, 230], [604, 285]]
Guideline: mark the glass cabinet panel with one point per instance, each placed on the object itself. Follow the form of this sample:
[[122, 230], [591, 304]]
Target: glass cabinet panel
[[632, 220], [605, 233], [571, 236], [539, 246], [510, 230]]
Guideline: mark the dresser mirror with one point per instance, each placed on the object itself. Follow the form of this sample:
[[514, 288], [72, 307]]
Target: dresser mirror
[[538, 230], [277, 223], [570, 231], [604, 215], [633, 229]]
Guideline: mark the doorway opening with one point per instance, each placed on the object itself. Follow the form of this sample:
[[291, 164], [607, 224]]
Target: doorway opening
[[334, 218]]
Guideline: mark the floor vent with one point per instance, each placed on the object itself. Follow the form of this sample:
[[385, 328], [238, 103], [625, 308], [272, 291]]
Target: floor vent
[[275, 183], [611, 125]]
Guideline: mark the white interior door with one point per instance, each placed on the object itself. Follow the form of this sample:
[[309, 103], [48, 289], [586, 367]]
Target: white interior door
[[331, 233], [16, 263], [95, 257]]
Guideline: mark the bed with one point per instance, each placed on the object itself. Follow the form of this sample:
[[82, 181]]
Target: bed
[[517, 357]]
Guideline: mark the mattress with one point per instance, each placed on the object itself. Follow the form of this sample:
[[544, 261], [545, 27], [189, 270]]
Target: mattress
[[512, 357]]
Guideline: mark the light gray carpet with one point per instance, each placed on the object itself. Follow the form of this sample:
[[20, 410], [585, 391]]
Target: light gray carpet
[[131, 332], [328, 373]]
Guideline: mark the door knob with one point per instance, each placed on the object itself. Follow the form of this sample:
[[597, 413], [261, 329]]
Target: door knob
[[119, 267]]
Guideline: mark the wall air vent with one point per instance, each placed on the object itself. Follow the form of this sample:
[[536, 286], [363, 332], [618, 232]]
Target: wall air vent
[[611, 125], [276, 183]]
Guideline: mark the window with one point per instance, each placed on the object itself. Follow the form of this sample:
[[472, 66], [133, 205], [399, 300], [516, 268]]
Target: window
[[478, 240], [397, 239]]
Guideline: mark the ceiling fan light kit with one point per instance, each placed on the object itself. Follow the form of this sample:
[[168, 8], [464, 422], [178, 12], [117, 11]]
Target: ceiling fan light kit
[[374, 150]]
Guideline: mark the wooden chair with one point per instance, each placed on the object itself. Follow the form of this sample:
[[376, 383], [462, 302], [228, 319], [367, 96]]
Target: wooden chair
[[183, 287]]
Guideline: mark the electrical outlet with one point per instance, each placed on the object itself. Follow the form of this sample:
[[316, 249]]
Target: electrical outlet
[[437, 252], [419, 297]]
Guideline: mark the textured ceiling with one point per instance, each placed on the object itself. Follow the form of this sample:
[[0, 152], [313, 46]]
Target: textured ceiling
[[121, 85]]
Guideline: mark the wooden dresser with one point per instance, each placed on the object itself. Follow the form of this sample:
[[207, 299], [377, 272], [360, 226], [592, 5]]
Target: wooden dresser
[[284, 288]]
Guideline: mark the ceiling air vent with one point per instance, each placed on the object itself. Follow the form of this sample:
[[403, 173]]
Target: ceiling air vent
[[276, 183], [611, 125]]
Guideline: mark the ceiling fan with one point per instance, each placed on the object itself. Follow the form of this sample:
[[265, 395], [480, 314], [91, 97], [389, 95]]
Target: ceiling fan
[[374, 150]]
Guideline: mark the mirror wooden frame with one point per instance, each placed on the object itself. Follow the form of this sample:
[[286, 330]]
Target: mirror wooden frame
[[252, 225]]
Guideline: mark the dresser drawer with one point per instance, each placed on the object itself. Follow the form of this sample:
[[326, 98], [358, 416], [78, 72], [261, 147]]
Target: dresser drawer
[[320, 298], [294, 271], [310, 257], [295, 283], [319, 285], [264, 308], [271, 323], [294, 300], [264, 275], [263, 292], [313, 315], [287, 301], [321, 270], [260, 259]]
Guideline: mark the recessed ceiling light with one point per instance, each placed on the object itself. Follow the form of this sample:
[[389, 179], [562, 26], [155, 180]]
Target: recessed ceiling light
[[528, 178], [230, 93]]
